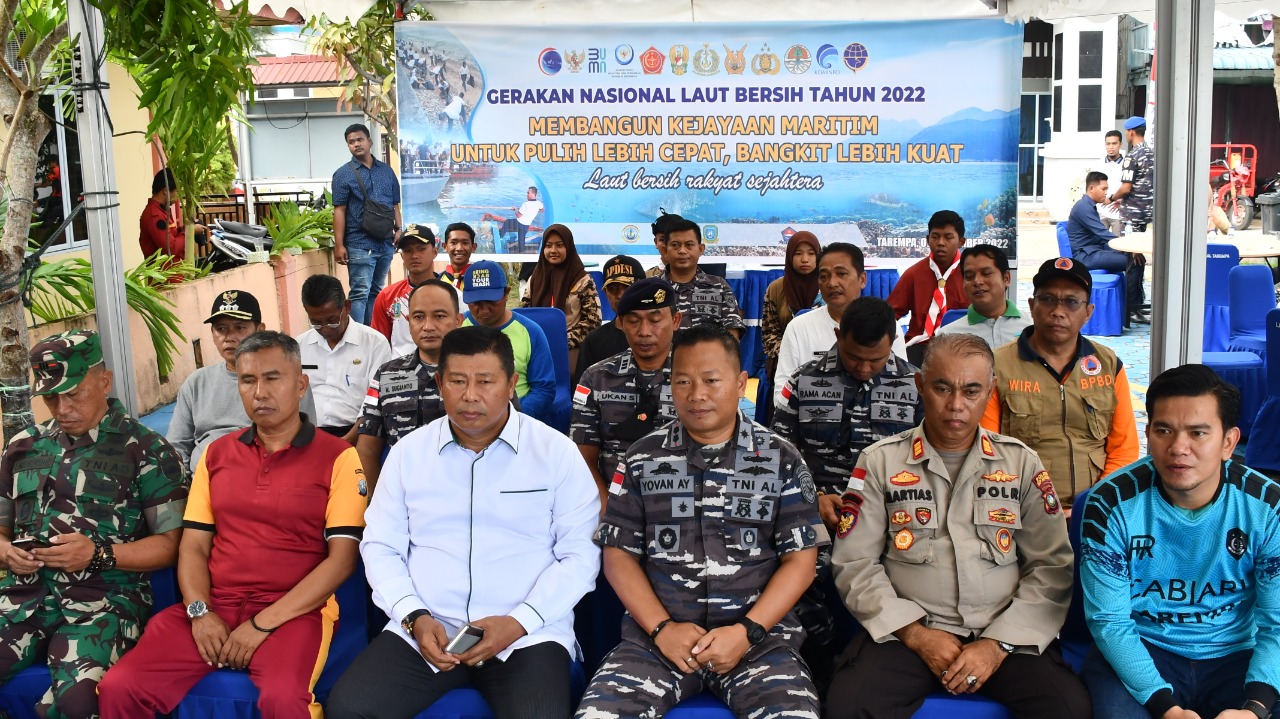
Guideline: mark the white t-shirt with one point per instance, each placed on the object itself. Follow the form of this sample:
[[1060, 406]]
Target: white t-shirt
[[528, 211]]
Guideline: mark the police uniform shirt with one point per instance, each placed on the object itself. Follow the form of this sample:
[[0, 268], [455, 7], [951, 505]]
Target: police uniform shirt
[[831, 417], [710, 531], [1138, 169], [706, 298], [617, 403], [402, 397], [982, 554], [340, 375]]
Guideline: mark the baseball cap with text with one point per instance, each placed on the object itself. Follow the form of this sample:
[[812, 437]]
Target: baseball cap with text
[[236, 304], [484, 281]]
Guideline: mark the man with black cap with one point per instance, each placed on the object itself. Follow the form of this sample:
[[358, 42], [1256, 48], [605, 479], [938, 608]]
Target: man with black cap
[[628, 395], [208, 404], [1085, 430], [90, 501], [417, 248], [607, 340]]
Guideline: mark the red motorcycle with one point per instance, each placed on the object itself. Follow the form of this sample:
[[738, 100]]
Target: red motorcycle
[[1233, 183]]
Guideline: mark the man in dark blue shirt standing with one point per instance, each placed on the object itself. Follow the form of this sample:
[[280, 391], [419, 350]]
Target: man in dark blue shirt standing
[[1090, 244], [368, 258]]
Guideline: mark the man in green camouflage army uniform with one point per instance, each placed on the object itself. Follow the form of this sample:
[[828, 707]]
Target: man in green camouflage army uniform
[[102, 497]]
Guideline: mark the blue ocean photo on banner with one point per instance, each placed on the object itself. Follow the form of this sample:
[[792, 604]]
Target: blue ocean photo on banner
[[857, 132]]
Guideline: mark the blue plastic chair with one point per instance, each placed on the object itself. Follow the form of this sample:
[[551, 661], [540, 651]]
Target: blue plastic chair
[[1064, 241], [553, 324], [228, 694], [953, 315], [468, 703], [1217, 297], [1248, 373], [18, 698], [1263, 453], [606, 311], [1075, 637], [1252, 294], [1108, 305]]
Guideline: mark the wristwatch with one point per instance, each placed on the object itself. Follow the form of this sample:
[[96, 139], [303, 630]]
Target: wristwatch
[[1007, 647], [197, 609], [755, 632], [410, 618]]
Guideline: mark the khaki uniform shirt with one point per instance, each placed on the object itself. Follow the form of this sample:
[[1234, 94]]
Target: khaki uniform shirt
[[985, 555]]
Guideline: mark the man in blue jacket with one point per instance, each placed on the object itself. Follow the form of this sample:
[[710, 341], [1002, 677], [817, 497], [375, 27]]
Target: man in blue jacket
[[1090, 244], [484, 290]]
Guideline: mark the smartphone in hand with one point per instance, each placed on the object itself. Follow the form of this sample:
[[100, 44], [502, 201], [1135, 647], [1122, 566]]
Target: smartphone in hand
[[469, 636], [27, 544]]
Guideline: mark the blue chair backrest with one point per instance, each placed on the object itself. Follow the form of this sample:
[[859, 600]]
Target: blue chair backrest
[[554, 326], [1217, 273], [953, 315], [1064, 242], [1273, 352], [1075, 626], [1252, 295], [606, 311]]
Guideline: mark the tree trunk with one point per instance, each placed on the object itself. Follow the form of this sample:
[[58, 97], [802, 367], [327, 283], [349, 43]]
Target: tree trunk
[[29, 131]]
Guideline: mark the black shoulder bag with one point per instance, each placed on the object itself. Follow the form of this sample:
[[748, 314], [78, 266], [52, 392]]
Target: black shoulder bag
[[379, 221]]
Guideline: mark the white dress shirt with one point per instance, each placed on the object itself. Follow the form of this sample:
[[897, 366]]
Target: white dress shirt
[[466, 536], [340, 376]]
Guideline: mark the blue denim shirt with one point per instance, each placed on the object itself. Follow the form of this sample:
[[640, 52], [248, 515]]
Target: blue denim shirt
[[382, 184]]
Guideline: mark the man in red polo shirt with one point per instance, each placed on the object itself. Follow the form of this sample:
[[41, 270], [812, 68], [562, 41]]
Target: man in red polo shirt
[[933, 285], [272, 527]]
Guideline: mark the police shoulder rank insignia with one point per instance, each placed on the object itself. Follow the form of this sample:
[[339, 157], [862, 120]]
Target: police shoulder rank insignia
[[917, 448], [988, 448], [1004, 540], [904, 478], [923, 515], [900, 517], [1000, 476], [1002, 515], [850, 507], [903, 540]]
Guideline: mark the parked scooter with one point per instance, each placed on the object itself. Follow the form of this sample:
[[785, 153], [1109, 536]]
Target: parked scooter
[[232, 244], [1232, 194]]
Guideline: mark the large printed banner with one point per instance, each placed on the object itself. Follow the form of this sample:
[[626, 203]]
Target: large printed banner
[[857, 132]]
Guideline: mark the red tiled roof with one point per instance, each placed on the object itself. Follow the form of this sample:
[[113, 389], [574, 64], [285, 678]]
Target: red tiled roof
[[296, 70]]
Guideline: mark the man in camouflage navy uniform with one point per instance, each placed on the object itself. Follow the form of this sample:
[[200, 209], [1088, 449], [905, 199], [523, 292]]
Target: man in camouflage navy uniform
[[101, 497], [1137, 191], [403, 395], [700, 297], [836, 406], [627, 396], [709, 541]]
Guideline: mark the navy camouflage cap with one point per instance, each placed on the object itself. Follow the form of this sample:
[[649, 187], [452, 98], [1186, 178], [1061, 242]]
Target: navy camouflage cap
[[647, 294], [61, 362]]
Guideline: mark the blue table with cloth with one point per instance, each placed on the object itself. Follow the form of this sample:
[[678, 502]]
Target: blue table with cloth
[[749, 286]]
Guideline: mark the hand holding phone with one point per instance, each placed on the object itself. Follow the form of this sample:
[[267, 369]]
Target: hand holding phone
[[27, 544], [469, 636]]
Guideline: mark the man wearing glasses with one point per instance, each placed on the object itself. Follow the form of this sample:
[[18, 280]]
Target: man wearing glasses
[[340, 356], [1063, 395], [208, 404]]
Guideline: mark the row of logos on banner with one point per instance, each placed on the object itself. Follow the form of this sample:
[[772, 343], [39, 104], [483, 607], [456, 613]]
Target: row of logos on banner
[[623, 61]]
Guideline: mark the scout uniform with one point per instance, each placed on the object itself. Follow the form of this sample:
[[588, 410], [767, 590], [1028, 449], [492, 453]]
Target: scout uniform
[[706, 298], [710, 523], [118, 483], [1139, 169], [831, 417], [402, 397], [983, 554]]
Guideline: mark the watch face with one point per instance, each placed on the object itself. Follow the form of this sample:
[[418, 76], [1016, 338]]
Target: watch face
[[197, 609]]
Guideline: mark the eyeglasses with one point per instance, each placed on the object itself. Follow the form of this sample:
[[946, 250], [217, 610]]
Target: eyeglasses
[[1072, 304], [326, 326]]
